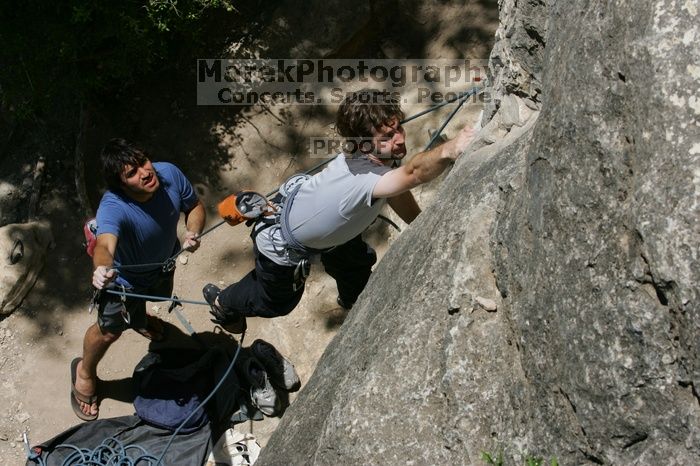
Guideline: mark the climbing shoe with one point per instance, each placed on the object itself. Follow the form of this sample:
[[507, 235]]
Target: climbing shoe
[[279, 369], [262, 394], [236, 324]]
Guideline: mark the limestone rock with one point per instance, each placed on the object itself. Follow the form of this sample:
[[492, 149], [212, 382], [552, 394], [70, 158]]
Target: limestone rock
[[486, 303], [516, 61], [584, 219]]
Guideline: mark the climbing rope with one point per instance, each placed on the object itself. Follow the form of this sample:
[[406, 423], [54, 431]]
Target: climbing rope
[[175, 299], [169, 264], [462, 97], [437, 133], [112, 452]]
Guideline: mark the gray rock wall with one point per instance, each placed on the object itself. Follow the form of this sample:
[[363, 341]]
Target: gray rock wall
[[516, 60], [23, 249], [579, 225], [598, 253]]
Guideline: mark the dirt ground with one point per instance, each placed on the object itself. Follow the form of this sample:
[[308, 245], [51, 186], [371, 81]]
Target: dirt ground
[[220, 153]]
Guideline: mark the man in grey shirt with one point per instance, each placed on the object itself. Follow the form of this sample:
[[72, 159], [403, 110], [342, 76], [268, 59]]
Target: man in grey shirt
[[328, 212]]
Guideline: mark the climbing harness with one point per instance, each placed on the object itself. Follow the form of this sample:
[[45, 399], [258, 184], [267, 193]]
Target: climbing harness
[[296, 251], [292, 183]]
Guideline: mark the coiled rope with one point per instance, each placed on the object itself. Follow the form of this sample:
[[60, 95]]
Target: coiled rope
[[112, 452]]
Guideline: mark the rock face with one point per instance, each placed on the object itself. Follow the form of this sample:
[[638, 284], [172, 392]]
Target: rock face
[[516, 61], [580, 226], [23, 249]]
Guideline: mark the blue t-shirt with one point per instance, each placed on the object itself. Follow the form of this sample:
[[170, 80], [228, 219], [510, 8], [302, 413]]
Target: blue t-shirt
[[146, 231]]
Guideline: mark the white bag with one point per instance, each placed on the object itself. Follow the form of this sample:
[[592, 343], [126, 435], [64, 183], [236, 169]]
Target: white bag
[[234, 449]]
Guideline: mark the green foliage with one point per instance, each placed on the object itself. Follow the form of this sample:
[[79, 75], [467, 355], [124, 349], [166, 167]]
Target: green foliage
[[489, 459], [87, 48], [529, 460], [536, 461], [167, 14]]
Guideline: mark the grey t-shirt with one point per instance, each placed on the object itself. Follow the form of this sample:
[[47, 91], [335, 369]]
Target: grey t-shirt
[[331, 207]]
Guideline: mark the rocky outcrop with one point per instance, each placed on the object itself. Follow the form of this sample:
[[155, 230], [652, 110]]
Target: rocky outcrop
[[23, 248], [597, 254], [547, 304], [516, 61]]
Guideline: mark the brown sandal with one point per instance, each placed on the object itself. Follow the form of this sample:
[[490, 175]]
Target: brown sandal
[[76, 397]]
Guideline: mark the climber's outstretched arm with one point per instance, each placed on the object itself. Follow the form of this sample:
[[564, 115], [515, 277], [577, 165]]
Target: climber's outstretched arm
[[423, 167]]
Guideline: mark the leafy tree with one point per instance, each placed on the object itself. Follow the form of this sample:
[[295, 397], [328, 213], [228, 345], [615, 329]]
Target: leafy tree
[[78, 49]]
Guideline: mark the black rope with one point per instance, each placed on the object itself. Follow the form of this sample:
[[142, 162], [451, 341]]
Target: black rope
[[444, 124], [170, 259], [461, 95]]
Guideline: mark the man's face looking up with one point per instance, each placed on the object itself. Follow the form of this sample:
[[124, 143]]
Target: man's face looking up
[[390, 140], [140, 181]]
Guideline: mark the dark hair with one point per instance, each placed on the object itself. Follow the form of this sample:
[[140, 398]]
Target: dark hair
[[366, 109], [117, 154]]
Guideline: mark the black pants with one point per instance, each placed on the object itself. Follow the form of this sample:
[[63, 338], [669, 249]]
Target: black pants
[[350, 264], [268, 291], [115, 314]]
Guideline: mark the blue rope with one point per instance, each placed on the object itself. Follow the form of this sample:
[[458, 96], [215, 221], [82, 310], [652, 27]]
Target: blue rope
[[110, 452], [113, 452], [461, 97], [155, 298], [170, 259]]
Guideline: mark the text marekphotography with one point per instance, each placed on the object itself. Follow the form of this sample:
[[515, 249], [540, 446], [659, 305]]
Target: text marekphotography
[[324, 81]]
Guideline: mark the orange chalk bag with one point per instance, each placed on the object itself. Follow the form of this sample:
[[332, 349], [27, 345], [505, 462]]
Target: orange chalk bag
[[244, 206]]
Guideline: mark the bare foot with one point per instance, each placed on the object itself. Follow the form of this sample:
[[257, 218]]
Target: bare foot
[[87, 387]]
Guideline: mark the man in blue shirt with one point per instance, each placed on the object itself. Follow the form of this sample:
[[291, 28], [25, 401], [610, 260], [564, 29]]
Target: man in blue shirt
[[136, 224]]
